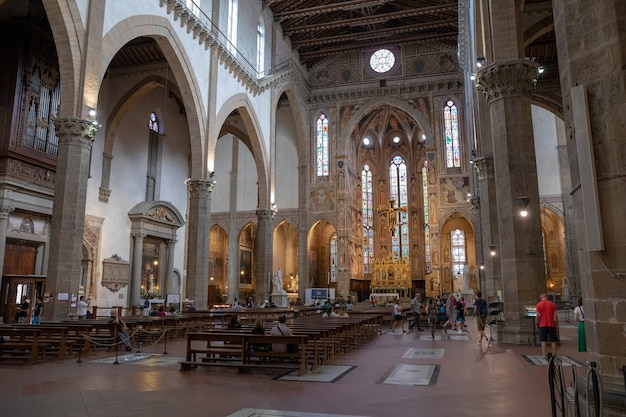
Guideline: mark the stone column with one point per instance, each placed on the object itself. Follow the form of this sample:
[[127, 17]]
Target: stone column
[[5, 212], [265, 237], [303, 234], [170, 285], [508, 86], [492, 280], [137, 271], [68, 212], [233, 276], [198, 243]]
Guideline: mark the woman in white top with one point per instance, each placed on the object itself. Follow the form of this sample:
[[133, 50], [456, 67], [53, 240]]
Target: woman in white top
[[579, 316]]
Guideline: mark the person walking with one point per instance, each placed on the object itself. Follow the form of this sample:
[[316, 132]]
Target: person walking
[[416, 308], [579, 316], [450, 312], [397, 316], [480, 312], [547, 321]]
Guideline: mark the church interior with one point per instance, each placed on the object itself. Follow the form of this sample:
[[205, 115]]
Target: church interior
[[356, 146]]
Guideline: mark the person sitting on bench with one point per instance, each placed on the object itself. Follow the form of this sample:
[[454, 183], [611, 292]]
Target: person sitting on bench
[[122, 330]]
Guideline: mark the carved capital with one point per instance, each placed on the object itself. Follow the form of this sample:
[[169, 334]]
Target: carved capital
[[484, 167], [104, 195], [77, 131], [139, 236], [5, 211], [507, 79], [265, 214], [200, 187]]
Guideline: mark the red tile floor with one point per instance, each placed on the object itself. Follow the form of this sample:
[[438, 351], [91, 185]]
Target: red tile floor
[[472, 381]]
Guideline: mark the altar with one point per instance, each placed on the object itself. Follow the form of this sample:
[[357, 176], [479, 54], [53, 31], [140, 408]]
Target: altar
[[391, 275]]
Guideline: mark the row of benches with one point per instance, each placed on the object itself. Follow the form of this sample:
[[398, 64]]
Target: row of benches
[[318, 340]]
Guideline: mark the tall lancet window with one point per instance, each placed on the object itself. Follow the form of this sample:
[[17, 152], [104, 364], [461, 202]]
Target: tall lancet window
[[426, 217], [233, 17], [451, 128], [260, 47], [398, 192], [458, 251], [153, 157], [321, 135], [333, 258], [367, 218]]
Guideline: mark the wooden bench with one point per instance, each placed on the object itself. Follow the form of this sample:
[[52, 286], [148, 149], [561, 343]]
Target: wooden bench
[[238, 349], [21, 344]]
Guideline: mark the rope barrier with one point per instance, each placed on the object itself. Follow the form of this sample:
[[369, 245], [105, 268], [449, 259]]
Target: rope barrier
[[137, 332]]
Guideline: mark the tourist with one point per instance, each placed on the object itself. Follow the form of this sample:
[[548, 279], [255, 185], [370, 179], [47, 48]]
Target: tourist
[[416, 308], [234, 323], [38, 310], [81, 307], [281, 329], [122, 331], [480, 312], [460, 314], [397, 316], [22, 311], [579, 317], [547, 321], [450, 312]]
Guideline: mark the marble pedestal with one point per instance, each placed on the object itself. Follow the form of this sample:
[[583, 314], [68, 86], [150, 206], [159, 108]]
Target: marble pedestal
[[280, 299]]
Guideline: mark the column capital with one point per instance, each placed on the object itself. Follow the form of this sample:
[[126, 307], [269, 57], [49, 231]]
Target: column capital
[[139, 236], [200, 187], [484, 167], [80, 131], [265, 214], [507, 79], [5, 210]]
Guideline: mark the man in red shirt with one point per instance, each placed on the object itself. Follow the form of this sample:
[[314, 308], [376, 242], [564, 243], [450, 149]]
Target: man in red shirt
[[547, 321]]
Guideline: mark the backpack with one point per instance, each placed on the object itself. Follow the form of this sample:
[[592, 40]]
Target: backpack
[[482, 308]]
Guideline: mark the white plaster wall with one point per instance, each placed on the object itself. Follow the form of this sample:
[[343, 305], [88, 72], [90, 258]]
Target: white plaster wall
[[286, 159], [546, 140], [83, 6], [247, 188], [128, 178]]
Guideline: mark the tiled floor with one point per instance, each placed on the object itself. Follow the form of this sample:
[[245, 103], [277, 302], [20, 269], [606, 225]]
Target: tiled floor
[[457, 378]]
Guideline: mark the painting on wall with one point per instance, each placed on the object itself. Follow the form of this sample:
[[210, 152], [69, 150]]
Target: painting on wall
[[23, 223], [454, 190]]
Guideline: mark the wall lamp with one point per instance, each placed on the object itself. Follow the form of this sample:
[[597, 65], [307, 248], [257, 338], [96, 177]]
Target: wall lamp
[[492, 249], [480, 61], [523, 203]]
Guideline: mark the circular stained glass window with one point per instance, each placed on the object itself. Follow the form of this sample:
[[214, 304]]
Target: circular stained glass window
[[382, 60]]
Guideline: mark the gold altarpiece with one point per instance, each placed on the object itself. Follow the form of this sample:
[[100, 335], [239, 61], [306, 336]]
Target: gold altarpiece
[[391, 274]]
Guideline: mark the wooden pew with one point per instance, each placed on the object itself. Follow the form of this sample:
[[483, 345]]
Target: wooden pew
[[237, 349], [21, 344]]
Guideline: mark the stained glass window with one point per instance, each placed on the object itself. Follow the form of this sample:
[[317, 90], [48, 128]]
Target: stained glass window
[[153, 123], [451, 127], [382, 60], [398, 192], [333, 259], [367, 211], [321, 133], [426, 216], [458, 251]]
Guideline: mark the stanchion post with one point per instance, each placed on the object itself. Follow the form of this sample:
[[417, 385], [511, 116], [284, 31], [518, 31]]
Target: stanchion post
[[115, 343], [165, 346]]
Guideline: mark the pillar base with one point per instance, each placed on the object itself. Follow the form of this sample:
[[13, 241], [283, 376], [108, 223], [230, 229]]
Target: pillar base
[[613, 398], [516, 334], [280, 299]]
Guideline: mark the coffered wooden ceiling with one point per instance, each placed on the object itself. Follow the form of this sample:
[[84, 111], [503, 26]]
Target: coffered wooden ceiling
[[319, 29]]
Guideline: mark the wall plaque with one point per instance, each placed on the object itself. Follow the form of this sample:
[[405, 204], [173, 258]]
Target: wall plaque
[[115, 273]]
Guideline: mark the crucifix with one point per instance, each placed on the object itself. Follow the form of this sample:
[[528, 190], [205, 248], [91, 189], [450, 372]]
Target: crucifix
[[391, 213]]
